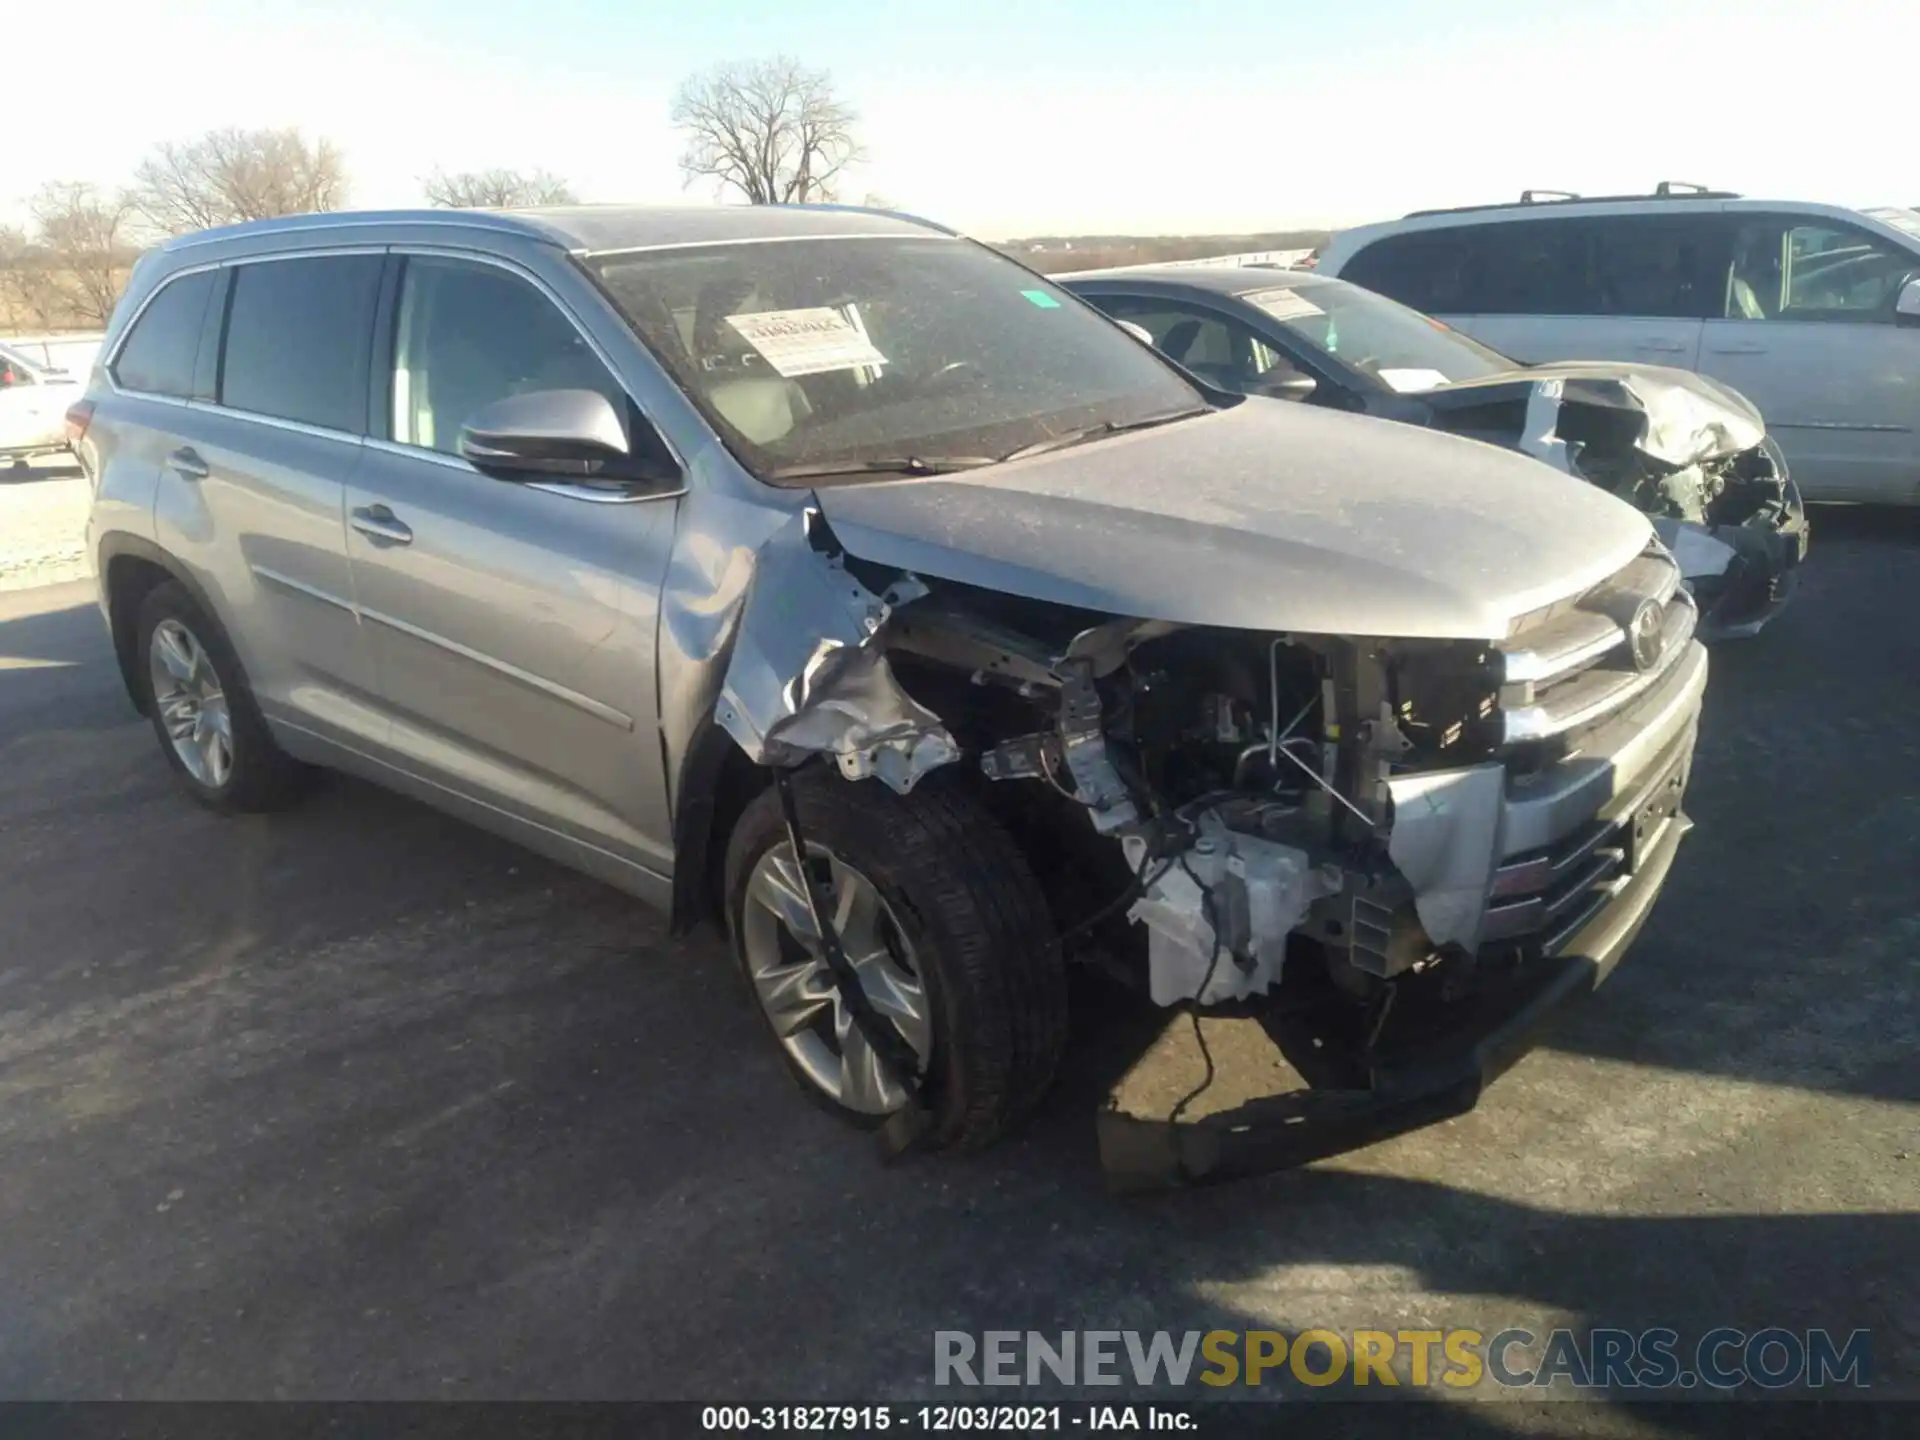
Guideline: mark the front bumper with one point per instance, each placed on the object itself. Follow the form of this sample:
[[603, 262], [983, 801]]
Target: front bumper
[[1588, 845], [1762, 576], [1413, 1084]]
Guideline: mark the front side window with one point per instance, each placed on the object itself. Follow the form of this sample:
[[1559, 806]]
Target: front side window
[[14, 373], [817, 353], [1218, 350], [1815, 272], [297, 339], [470, 334], [158, 355]]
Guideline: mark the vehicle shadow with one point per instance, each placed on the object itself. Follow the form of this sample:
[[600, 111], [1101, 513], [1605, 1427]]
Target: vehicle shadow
[[357, 1102], [1785, 948], [53, 468]]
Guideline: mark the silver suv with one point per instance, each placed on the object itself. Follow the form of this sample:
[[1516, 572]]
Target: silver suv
[[828, 575]]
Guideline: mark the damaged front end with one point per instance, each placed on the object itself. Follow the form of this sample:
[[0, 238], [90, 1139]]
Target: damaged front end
[[1381, 863], [1691, 454]]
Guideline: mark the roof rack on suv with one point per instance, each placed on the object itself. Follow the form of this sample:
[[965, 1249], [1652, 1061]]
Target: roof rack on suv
[[1665, 190]]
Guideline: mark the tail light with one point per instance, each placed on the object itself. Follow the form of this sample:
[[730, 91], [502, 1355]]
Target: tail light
[[79, 416]]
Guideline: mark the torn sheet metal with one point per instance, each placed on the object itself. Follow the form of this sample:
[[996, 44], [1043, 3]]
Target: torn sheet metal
[[1444, 840], [1698, 553], [1684, 418], [1539, 435], [808, 675]]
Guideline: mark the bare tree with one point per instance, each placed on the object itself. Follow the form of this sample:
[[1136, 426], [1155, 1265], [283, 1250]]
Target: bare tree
[[773, 130], [83, 254], [231, 175], [496, 189]]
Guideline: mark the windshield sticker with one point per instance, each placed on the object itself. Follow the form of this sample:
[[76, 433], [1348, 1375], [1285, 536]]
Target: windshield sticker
[[1284, 304], [1042, 299], [806, 342], [1406, 381]]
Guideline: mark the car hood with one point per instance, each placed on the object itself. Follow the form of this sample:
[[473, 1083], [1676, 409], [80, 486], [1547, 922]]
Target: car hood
[[1262, 516], [1685, 418]]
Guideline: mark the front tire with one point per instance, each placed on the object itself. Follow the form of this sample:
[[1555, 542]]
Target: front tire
[[209, 727], [948, 928]]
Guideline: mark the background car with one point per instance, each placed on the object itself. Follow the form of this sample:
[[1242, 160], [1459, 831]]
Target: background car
[[1690, 453], [1811, 311], [33, 408]]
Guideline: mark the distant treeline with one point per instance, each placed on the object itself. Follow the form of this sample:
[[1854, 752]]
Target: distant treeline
[[1055, 253]]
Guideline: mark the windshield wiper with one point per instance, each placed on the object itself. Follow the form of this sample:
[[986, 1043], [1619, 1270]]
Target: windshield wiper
[[883, 465], [1102, 430]]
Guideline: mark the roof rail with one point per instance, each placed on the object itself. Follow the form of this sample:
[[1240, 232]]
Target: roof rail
[[1665, 190], [880, 210]]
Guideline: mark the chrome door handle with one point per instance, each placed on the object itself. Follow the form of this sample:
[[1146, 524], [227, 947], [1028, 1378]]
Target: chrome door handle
[[1662, 347], [187, 464], [1739, 349], [378, 524]]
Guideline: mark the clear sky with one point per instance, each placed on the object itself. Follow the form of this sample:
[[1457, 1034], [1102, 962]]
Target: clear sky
[[1016, 117]]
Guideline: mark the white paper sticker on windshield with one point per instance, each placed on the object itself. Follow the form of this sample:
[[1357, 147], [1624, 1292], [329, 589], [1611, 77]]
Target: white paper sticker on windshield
[[806, 342], [1284, 304], [1406, 381]]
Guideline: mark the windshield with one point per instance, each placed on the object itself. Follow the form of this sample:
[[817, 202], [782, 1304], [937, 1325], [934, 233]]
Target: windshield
[[809, 355], [1402, 348]]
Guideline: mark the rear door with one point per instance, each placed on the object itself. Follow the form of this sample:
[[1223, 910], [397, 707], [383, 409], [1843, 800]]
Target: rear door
[[254, 476], [514, 622], [1810, 335]]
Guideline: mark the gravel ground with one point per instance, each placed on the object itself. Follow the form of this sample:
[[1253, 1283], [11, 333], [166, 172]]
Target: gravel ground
[[356, 1102], [43, 520]]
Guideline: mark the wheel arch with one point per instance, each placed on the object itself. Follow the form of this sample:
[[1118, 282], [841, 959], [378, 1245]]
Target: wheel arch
[[715, 784], [130, 568]]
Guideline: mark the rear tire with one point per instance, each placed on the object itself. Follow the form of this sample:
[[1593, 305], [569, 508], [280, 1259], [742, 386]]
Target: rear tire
[[960, 916], [209, 728]]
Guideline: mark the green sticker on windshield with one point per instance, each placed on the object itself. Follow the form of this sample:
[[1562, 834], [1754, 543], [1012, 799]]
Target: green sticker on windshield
[[1042, 299]]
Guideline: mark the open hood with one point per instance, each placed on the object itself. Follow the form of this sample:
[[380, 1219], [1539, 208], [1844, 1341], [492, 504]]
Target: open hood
[[1674, 417], [1264, 516]]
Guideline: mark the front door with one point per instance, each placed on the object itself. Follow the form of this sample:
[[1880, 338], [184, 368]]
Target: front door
[[1811, 337], [513, 624]]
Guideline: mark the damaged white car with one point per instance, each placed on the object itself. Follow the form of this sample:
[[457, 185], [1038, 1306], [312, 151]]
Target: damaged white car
[[826, 574], [1685, 449]]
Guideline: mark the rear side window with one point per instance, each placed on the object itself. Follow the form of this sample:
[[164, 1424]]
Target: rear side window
[[1661, 266], [158, 355], [299, 334], [1665, 266], [1423, 268]]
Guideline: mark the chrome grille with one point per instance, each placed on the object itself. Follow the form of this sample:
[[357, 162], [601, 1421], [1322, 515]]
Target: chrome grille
[[1573, 664], [1545, 897]]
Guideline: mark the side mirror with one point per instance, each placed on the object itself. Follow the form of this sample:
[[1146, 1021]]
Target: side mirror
[[556, 435], [1139, 332], [1906, 306], [1283, 383]]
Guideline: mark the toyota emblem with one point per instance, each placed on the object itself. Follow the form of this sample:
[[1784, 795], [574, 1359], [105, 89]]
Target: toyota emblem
[[1646, 634]]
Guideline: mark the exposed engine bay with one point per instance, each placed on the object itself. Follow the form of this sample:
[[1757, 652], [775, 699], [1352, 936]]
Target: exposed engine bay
[[1232, 794], [1687, 452]]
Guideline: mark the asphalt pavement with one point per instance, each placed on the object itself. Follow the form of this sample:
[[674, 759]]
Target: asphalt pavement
[[357, 1102]]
